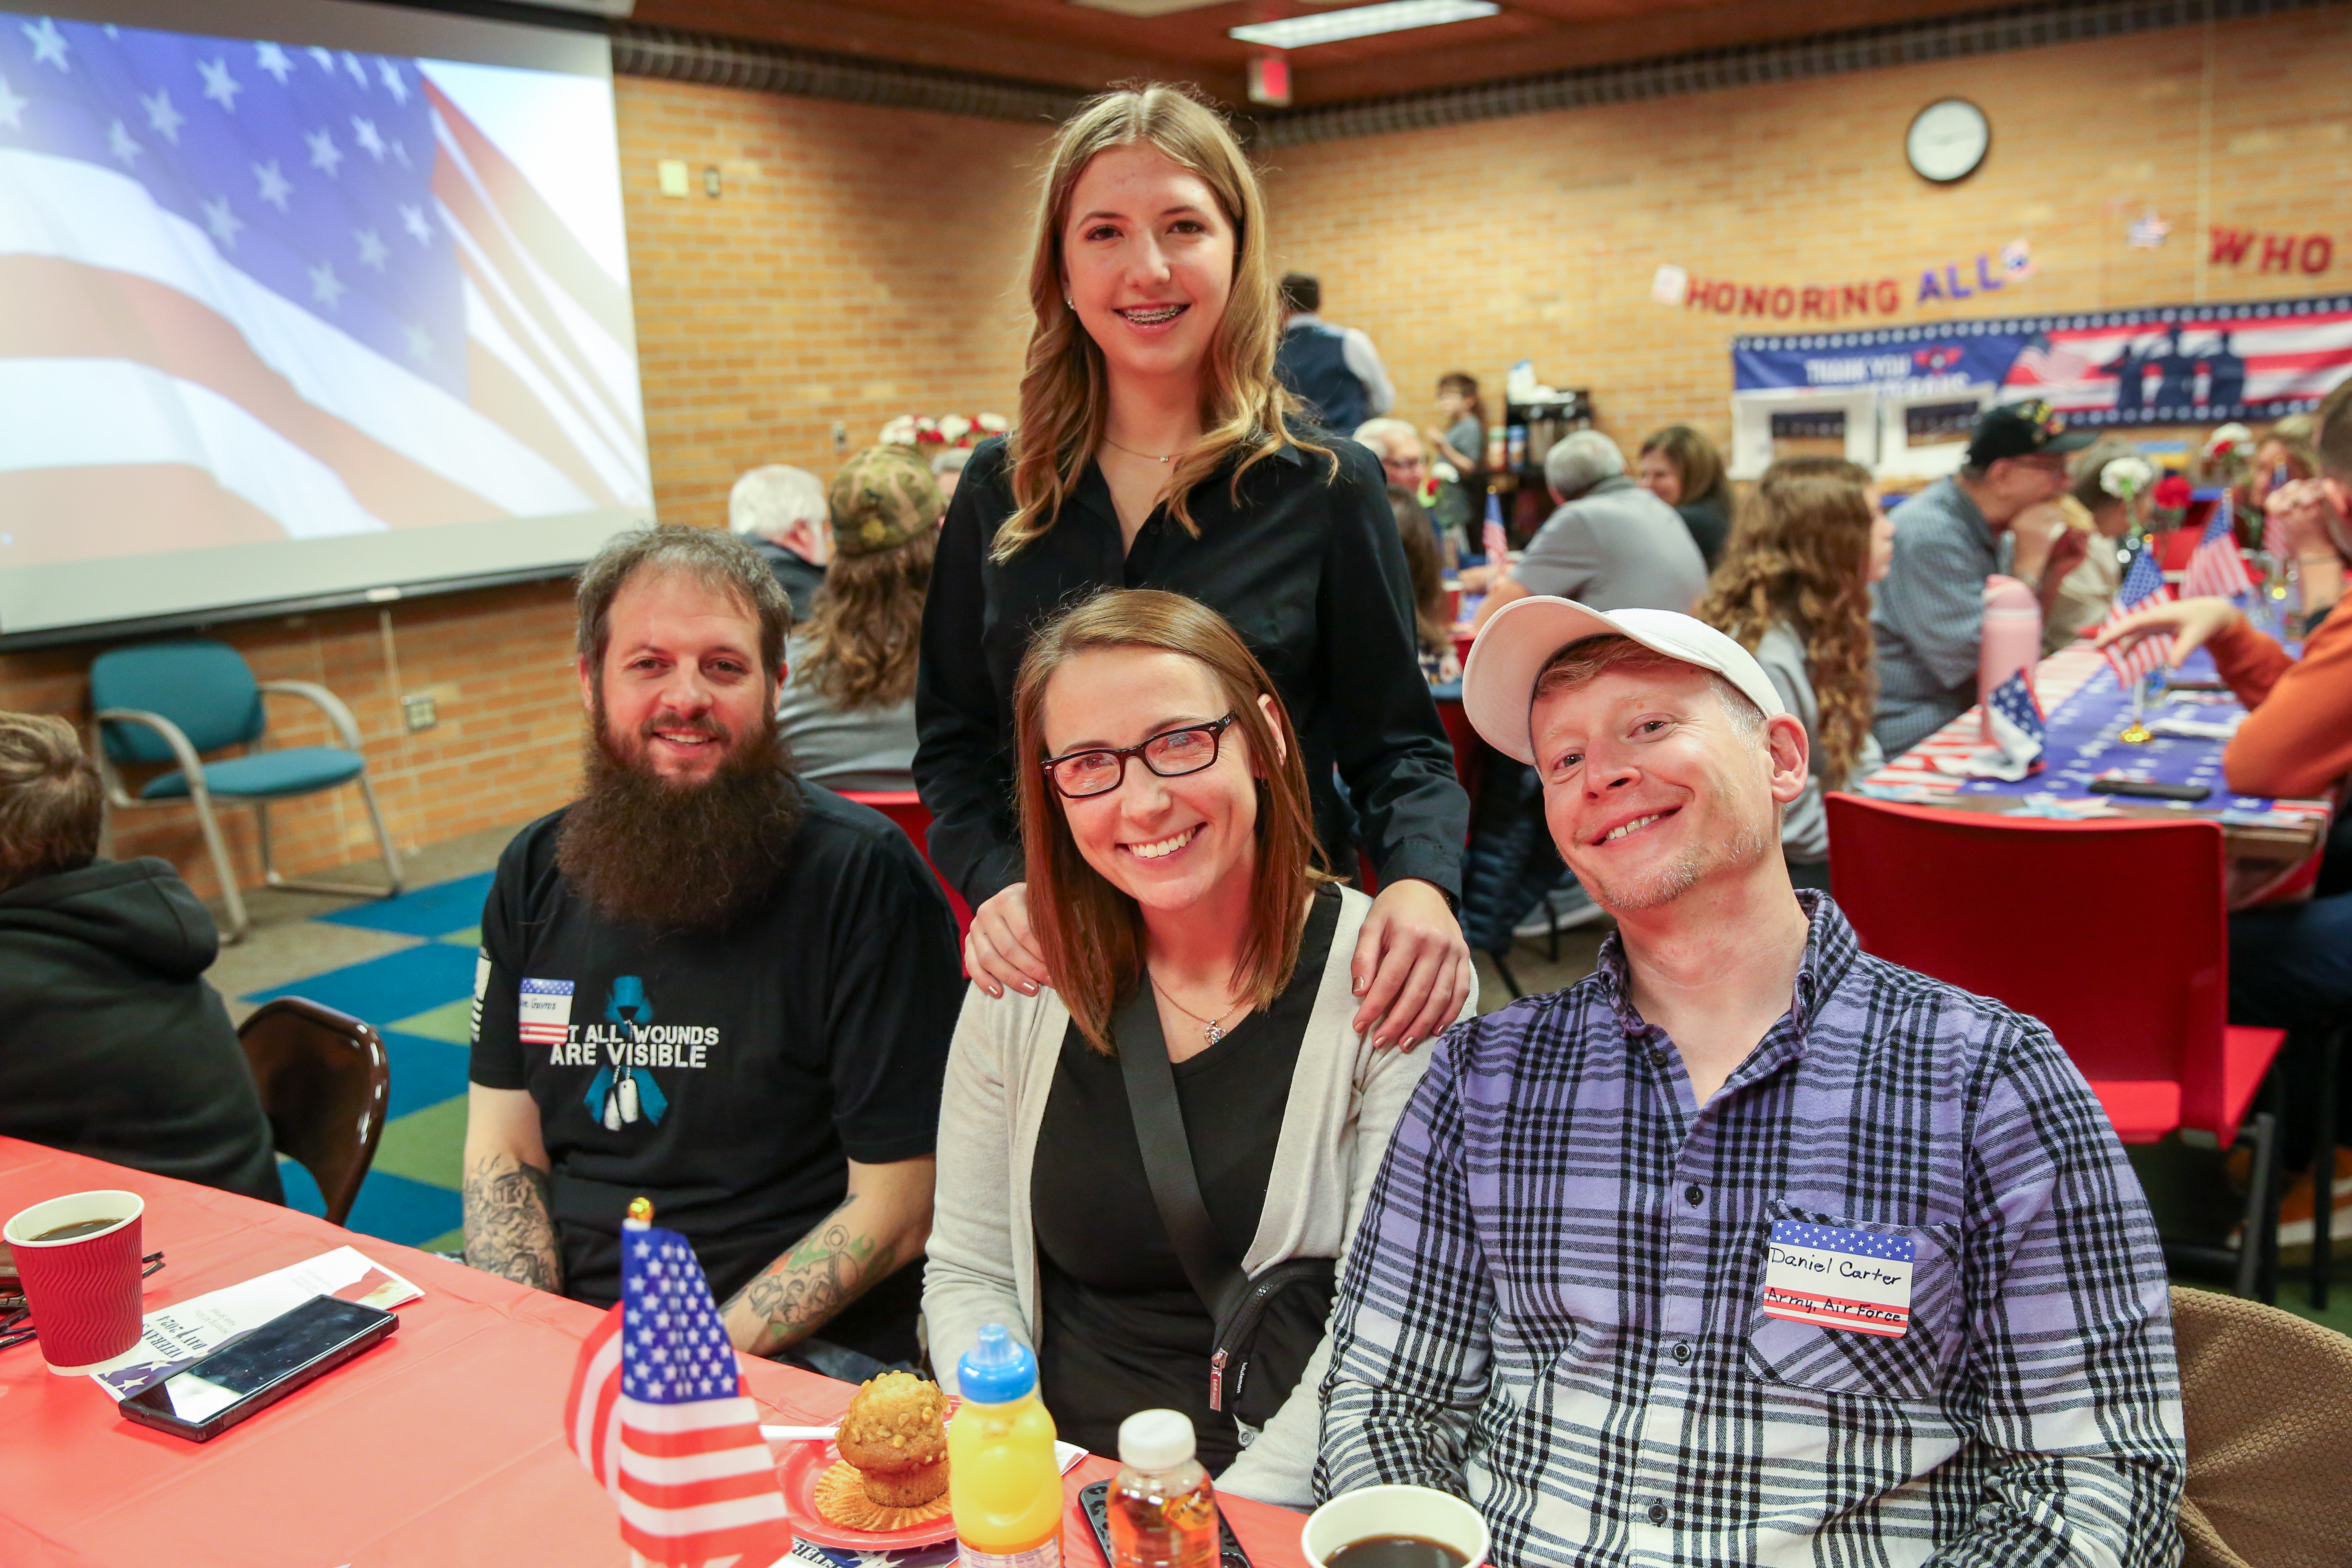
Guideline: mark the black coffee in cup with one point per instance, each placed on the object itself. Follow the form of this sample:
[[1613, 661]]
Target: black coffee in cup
[[1396, 1551], [78, 1227]]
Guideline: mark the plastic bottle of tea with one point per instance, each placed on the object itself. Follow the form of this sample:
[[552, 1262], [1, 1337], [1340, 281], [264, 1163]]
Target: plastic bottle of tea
[[1163, 1511]]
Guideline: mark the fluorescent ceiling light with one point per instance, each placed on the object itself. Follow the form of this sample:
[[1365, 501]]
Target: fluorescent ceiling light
[[1147, 7], [1360, 22]]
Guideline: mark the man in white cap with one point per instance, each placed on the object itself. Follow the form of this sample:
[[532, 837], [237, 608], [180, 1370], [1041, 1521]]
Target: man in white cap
[[1749, 1248]]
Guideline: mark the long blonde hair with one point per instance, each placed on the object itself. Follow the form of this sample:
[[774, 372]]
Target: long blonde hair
[[1090, 933], [1065, 388], [1800, 552]]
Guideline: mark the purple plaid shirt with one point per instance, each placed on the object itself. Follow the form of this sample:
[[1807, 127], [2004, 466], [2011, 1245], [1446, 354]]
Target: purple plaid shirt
[[1552, 1306]]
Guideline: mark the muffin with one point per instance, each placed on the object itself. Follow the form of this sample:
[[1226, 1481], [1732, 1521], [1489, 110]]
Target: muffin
[[895, 1434]]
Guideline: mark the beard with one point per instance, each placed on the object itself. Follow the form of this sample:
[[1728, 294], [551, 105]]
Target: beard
[[1657, 889], [680, 856]]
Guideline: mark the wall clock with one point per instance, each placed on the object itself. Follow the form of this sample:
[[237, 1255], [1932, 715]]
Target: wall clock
[[1948, 139]]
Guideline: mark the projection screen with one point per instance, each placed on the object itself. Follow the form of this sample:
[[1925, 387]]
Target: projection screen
[[303, 303]]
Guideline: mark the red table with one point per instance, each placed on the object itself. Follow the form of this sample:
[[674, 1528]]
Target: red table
[[440, 1448]]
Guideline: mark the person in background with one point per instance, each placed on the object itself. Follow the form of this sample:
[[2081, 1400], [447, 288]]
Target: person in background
[[947, 467], [709, 983], [2112, 488], [1682, 468], [1169, 850], [1794, 589], [781, 510], [1398, 447], [2291, 963], [1460, 436], [1611, 544], [1748, 1247], [1929, 618], [1440, 666], [111, 1043], [1155, 447], [1334, 371], [2285, 454], [1459, 441], [848, 705]]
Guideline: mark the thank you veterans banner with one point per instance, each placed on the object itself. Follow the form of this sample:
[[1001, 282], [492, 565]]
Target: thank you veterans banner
[[2158, 365]]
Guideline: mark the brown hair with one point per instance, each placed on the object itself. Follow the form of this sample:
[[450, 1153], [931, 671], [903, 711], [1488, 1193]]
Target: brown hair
[[51, 807], [1063, 384], [711, 556], [1091, 933], [1693, 457], [2090, 463], [866, 623], [1421, 564], [1467, 384], [1800, 552]]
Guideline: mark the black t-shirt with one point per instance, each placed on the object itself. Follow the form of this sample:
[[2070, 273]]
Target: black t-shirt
[[1123, 1329], [726, 1076]]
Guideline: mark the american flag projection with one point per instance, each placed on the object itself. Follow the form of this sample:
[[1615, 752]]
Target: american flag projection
[[260, 291], [2143, 587], [658, 1416], [2215, 567]]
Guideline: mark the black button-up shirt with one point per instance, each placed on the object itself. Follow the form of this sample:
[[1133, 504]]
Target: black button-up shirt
[[1306, 566]]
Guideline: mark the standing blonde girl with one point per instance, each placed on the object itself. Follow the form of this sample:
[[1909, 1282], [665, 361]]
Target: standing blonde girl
[[1154, 448]]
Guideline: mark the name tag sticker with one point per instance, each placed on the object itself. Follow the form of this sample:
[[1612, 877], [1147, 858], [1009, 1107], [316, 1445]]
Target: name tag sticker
[[1839, 1279]]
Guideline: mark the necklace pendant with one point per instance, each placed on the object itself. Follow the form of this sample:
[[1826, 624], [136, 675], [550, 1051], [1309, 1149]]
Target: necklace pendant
[[1215, 1031]]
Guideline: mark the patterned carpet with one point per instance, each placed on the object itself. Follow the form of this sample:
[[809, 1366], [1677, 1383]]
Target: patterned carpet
[[418, 997]]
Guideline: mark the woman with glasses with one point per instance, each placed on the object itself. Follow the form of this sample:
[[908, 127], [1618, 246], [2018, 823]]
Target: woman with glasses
[[1155, 448], [1164, 812]]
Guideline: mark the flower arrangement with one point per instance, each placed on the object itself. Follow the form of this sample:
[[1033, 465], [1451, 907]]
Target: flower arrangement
[[2173, 494], [2126, 477], [927, 435]]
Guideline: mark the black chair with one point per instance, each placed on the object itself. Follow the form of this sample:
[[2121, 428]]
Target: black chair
[[325, 1082]]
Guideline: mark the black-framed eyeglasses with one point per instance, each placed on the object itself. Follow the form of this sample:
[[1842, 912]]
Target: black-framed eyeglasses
[[1172, 753]]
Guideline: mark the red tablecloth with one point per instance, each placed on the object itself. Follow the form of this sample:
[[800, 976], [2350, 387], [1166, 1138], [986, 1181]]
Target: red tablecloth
[[441, 1448]]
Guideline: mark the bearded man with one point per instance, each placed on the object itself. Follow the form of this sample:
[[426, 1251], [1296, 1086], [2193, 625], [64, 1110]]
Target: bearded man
[[712, 983], [1749, 1248]]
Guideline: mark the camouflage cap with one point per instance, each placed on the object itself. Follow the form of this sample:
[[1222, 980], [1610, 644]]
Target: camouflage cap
[[883, 497]]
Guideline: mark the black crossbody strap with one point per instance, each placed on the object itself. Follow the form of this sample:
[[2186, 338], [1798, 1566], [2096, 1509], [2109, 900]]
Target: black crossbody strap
[[1168, 1155]]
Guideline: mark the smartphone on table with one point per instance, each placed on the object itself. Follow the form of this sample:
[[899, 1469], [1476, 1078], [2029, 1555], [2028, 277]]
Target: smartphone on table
[[258, 1368]]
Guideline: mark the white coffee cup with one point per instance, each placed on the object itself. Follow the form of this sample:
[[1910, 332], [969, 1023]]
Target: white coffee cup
[[1394, 1511]]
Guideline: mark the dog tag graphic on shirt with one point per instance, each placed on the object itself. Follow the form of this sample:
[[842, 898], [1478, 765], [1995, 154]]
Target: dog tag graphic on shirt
[[1851, 1280]]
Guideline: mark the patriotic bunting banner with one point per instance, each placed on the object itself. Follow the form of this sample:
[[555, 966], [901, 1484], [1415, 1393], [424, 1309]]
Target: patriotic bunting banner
[[260, 291], [2166, 365]]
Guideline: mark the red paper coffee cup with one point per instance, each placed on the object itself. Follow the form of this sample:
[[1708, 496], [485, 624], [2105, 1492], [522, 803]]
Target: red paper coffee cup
[[83, 1289]]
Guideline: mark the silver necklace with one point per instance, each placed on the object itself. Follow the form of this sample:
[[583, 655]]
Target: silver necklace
[[1133, 453], [1215, 1029]]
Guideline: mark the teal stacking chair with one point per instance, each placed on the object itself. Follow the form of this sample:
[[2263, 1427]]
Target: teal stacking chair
[[174, 701]]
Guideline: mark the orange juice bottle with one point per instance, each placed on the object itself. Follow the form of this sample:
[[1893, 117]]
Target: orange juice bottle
[[1003, 1482]]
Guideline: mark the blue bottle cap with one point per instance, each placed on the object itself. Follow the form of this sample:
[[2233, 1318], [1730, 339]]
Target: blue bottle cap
[[998, 1370]]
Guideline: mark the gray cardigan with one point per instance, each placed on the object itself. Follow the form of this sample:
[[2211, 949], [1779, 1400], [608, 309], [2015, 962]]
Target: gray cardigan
[[1345, 1098]]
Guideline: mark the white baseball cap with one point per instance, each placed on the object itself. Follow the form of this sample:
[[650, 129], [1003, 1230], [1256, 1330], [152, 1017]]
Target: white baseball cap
[[1498, 685]]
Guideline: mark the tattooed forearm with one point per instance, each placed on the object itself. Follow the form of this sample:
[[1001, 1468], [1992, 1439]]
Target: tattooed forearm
[[792, 1297], [507, 1230]]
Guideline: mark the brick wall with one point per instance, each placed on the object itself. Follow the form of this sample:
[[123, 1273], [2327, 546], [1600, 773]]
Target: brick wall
[[1472, 246], [864, 262]]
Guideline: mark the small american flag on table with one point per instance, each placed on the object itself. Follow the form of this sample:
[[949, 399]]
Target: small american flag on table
[[2143, 587], [1493, 539], [2217, 568], [658, 1416]]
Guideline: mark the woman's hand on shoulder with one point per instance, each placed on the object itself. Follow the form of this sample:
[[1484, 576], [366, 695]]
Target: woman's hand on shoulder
[[1000, 949], [1411, 966]]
